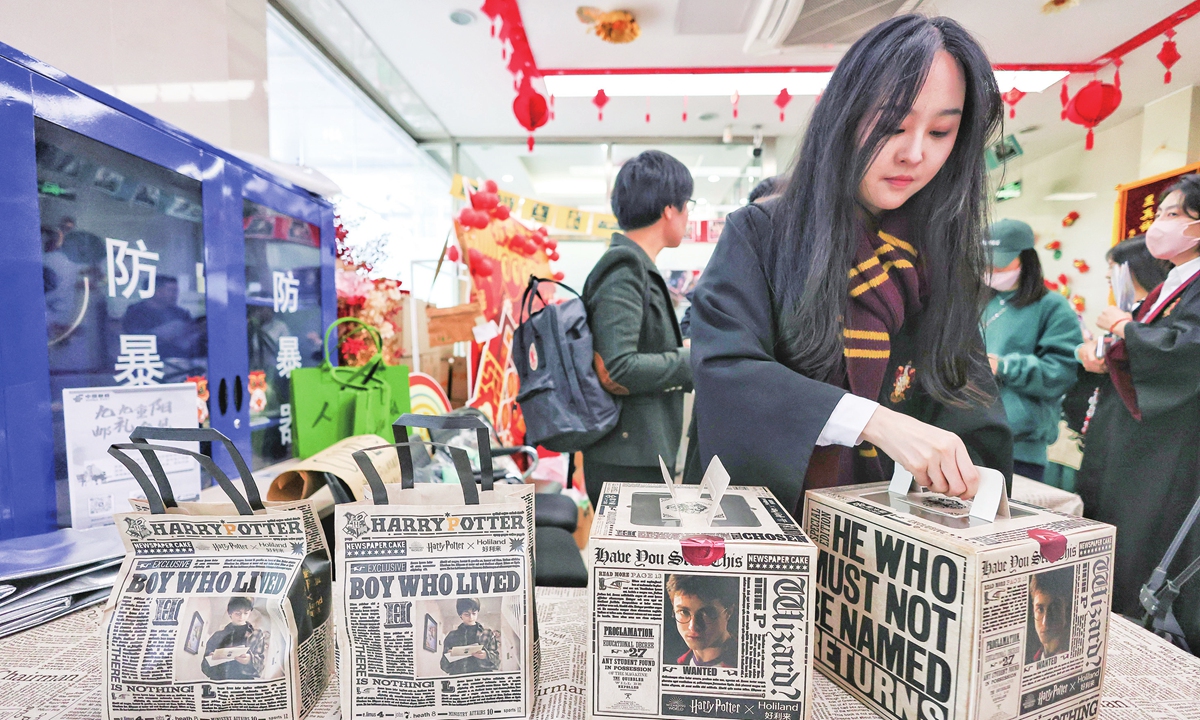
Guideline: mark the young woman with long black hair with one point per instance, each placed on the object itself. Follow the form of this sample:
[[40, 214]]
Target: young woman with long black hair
[[836, 328]]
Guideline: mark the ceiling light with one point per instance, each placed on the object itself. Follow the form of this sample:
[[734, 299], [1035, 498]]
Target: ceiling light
[[462, 17], [1069, 197], [714, 178], [506, 178], [745, 84]]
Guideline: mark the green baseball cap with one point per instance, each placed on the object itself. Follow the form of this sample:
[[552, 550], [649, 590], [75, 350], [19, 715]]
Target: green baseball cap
[[1007, 238]]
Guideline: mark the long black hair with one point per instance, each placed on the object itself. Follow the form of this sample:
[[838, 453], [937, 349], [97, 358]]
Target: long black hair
[[818, 219], [1031, 284]]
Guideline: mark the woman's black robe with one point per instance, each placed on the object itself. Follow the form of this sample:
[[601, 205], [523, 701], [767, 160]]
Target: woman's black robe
[[761, 417], [1143, 476]]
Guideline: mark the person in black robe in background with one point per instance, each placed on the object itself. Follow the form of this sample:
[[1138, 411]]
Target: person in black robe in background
[[1141, 466], [846, 310]]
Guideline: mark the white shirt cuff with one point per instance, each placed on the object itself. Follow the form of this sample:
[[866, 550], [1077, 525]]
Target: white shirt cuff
[[845, 425]]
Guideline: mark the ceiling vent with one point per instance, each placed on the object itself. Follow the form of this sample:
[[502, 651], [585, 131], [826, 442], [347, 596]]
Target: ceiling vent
[[782, 25]]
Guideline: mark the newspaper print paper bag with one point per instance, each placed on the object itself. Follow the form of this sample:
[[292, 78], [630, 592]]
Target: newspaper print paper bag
[[215, 614], [435, 611]]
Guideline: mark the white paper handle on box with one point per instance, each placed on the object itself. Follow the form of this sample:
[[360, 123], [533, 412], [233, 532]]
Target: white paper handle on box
[[991, 499], [715, 481]]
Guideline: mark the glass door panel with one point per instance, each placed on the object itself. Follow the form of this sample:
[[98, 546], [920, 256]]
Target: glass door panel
[[123, 273], [283, 321]]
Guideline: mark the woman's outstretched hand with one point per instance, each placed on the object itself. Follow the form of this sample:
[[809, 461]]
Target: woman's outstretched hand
[[936, 458]]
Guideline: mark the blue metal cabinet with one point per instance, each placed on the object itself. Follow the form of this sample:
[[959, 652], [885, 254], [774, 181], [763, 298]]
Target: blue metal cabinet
[[123, 237]]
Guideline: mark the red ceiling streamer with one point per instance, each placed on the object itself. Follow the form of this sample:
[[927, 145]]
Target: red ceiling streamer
[[530, 106], [685, 108], [647, 108], [1065, 96], [1169, 55], [734, 99]]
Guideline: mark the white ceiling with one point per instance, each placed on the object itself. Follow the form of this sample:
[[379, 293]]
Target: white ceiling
[[459, 73], [458, 70]]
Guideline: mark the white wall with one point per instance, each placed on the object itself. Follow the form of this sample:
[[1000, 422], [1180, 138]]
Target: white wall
[[1114, 160], [153, 53]]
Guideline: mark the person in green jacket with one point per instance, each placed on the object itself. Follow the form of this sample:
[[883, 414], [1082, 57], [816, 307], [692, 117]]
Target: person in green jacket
[[639, 351], [1031, 335]]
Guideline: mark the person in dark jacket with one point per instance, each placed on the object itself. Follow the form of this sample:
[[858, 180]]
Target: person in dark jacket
[[239, 633], [471, 633], [1031, 335], [639, 349], [835, 331], [1141, 463]]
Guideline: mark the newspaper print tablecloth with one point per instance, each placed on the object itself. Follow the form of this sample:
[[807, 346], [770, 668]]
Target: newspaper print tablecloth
[[53, 672]]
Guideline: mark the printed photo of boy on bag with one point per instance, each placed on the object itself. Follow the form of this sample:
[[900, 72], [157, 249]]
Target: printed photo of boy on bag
[[470, 647], [237, 651]]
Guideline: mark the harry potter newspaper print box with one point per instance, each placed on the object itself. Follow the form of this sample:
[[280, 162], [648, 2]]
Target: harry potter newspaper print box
[[924, 612], [694, 620]]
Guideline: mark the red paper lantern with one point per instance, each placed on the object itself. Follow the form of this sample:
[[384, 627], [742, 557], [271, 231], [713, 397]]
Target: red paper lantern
[[781, 101], [491, 186], [1169, 55], [530, 109], [452, 253], [501, 212], [1092, 104], [600, 101], [1011, 98]]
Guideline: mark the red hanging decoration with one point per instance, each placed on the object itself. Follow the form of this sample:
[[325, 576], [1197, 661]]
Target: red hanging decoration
[[734, 99], [1169, 55], [1081, 265], [1011, 98], [781, 101], [647, 109], [530, 109], [1068, 221], [600, 101], [551, 107], [1117, 75], [685, 108], [1064, 97], [1091, 105]]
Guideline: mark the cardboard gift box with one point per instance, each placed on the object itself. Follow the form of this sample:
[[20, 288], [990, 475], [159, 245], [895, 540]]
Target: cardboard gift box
[[932, 608], [700, 603]]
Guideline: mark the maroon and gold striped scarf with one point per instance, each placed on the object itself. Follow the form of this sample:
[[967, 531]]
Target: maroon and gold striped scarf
[[885, 288]]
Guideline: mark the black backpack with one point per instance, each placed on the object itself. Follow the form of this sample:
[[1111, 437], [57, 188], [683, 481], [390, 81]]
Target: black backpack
[[564, 405]]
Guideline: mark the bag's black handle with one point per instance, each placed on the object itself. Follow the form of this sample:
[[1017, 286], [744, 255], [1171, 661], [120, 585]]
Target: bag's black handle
[[450, 422], [145, 432], [147, 450], [462, 464], [531, 293]]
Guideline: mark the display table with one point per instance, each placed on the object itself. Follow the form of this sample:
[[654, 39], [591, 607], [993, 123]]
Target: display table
[[54, 671]]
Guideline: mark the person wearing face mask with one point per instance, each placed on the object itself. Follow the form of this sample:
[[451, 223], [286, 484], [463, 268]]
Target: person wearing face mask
[[835, 331], [1031, 335], [1141, 469], [1131, 270]]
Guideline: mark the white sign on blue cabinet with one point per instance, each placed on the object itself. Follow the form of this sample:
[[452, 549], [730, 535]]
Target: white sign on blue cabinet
[[121, 275], [95, 418], [286, 291]]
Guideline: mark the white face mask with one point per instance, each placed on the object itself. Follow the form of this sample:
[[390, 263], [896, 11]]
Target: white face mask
[[1004, 280]]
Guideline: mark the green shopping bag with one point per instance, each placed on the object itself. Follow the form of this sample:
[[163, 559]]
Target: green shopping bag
[[332, 403]]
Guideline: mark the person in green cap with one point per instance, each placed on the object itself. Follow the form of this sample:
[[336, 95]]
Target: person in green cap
[[1031, 335]]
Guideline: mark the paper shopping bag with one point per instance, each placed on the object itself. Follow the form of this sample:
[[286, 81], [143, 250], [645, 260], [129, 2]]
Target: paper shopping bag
[[434, 600], [219, 609], [332, 403]]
